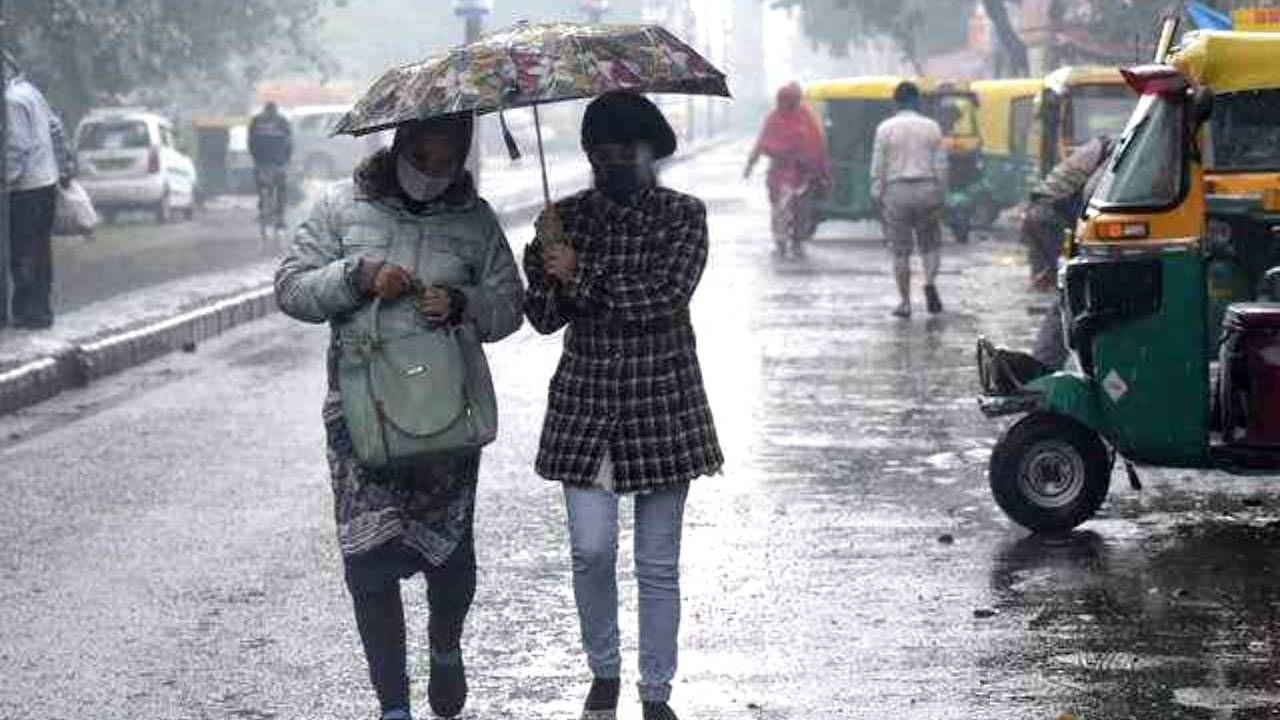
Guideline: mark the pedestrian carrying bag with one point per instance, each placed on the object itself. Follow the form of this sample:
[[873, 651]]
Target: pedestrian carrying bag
[[73, 212], [407, 393]]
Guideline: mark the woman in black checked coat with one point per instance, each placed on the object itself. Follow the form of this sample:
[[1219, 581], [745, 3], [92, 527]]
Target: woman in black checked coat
[[627, 413]]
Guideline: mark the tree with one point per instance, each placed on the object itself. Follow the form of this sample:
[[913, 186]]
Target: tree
[[84, 52], [1095, 30], [1014, 48], [918, 27]]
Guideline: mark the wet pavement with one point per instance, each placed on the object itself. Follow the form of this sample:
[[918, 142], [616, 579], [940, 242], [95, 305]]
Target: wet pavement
[[168, 549]]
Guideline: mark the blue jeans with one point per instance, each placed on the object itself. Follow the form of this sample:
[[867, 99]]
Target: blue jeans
[[593, 534]]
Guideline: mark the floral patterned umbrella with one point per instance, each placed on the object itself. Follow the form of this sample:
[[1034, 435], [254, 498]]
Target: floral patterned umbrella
[[532, 64]]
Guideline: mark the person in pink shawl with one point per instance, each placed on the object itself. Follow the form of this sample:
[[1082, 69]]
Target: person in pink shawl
[[799, 170]]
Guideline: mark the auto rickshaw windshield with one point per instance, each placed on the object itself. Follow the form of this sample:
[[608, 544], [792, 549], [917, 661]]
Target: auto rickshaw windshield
[[1098, 110], [1245, 132], [1146, 170]]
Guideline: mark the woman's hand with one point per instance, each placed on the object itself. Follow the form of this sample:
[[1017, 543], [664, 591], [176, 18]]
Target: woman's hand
[[549, 227], [435, 304], [560, 261], [383, 280]]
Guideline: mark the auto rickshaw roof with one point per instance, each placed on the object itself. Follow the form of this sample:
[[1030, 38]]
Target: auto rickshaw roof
[[1228, 61], [1006, 87], [219, 121], [870, 87], [1064, 78]]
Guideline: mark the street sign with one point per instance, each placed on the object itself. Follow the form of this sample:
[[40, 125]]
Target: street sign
[[1256, 20]]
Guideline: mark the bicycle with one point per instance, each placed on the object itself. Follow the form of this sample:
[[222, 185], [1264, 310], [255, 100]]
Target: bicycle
[[271, 181]]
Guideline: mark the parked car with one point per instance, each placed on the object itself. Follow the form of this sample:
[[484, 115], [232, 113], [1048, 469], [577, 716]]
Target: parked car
[[319, 155], [126, 160]]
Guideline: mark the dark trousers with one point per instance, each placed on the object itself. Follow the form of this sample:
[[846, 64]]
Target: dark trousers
[[31, 255], [373, 579]]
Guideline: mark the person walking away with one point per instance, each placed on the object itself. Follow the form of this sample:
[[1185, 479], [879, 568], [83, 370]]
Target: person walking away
[[1056, 201], [37, 163], [799, 169], [908, 185], [627, 413], [271, 146], [411, 232]]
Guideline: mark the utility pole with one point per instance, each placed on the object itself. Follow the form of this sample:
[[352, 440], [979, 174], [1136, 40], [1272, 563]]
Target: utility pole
[[5, 247], [473, 12], [594, 9]]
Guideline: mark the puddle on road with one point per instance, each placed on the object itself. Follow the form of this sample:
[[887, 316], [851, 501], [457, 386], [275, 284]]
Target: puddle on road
[[1226, 699], [1116, 661]]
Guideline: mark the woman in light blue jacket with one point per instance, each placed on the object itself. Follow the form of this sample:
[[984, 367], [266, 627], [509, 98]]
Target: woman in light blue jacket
[[409, 223]]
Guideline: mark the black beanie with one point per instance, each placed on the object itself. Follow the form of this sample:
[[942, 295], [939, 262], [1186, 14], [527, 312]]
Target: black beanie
[[624, 117]]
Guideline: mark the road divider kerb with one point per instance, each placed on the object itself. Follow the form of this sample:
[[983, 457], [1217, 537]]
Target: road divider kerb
[[77, 364]]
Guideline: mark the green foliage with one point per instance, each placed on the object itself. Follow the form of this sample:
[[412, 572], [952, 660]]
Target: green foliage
[[918, 27], [1115, 30], [86, 52]]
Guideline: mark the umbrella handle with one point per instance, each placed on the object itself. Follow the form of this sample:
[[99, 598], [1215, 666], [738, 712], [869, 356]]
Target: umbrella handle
[[542, 160]]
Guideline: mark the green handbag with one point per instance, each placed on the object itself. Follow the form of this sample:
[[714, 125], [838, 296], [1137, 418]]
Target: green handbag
[[407, 393]]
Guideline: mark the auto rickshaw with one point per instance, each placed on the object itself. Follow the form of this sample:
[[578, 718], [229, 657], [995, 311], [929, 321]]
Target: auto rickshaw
[[219, 169], [1006, 111], [1078, 104], [849, 110], [1158, 380], [955, 107]]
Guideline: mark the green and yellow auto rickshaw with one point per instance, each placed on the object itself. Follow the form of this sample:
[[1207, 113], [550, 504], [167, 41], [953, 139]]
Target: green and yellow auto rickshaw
[[1159, 379], [1006, 114], [1078, 104], [850, 109]]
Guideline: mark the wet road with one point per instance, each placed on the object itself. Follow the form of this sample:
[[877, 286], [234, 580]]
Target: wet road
[[135, 253], [168, 549]]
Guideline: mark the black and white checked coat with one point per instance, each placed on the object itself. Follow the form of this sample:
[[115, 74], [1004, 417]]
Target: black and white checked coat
[[628, 381]]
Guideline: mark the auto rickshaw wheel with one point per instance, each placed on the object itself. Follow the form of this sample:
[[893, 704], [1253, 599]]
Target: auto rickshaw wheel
[[1049, 473]]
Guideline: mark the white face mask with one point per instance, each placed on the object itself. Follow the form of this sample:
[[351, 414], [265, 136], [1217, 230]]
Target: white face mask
[[419, 185]]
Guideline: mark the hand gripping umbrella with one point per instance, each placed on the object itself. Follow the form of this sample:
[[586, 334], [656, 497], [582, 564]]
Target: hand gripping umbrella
[[527, 65]]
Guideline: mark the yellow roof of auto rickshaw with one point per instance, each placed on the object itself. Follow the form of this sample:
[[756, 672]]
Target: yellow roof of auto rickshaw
[[1006, 87], [219, 121], [869, 87], [1066, 77], [1230, 61]]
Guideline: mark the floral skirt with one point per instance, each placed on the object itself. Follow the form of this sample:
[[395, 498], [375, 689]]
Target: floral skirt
[[428, 507]]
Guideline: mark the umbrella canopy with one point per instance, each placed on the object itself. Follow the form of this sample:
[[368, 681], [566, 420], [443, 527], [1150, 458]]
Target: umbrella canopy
[[532, 64]]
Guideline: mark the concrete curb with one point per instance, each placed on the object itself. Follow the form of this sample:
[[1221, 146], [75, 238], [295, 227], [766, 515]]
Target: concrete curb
[[79, 364], [76, 365]]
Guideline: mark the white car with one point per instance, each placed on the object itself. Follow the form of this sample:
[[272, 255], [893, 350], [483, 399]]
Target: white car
[[320, 155], [126, 160]]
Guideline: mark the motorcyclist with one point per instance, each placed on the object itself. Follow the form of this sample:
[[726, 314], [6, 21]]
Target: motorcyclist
[[271, 145]]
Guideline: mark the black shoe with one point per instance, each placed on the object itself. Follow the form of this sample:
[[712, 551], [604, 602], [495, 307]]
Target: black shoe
[[658, 711], [602, 699], [396, 714], [931, 300], [447, 689]]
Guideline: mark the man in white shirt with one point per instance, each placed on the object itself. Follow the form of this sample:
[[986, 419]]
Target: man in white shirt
[[908, 184], [37, 163]]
